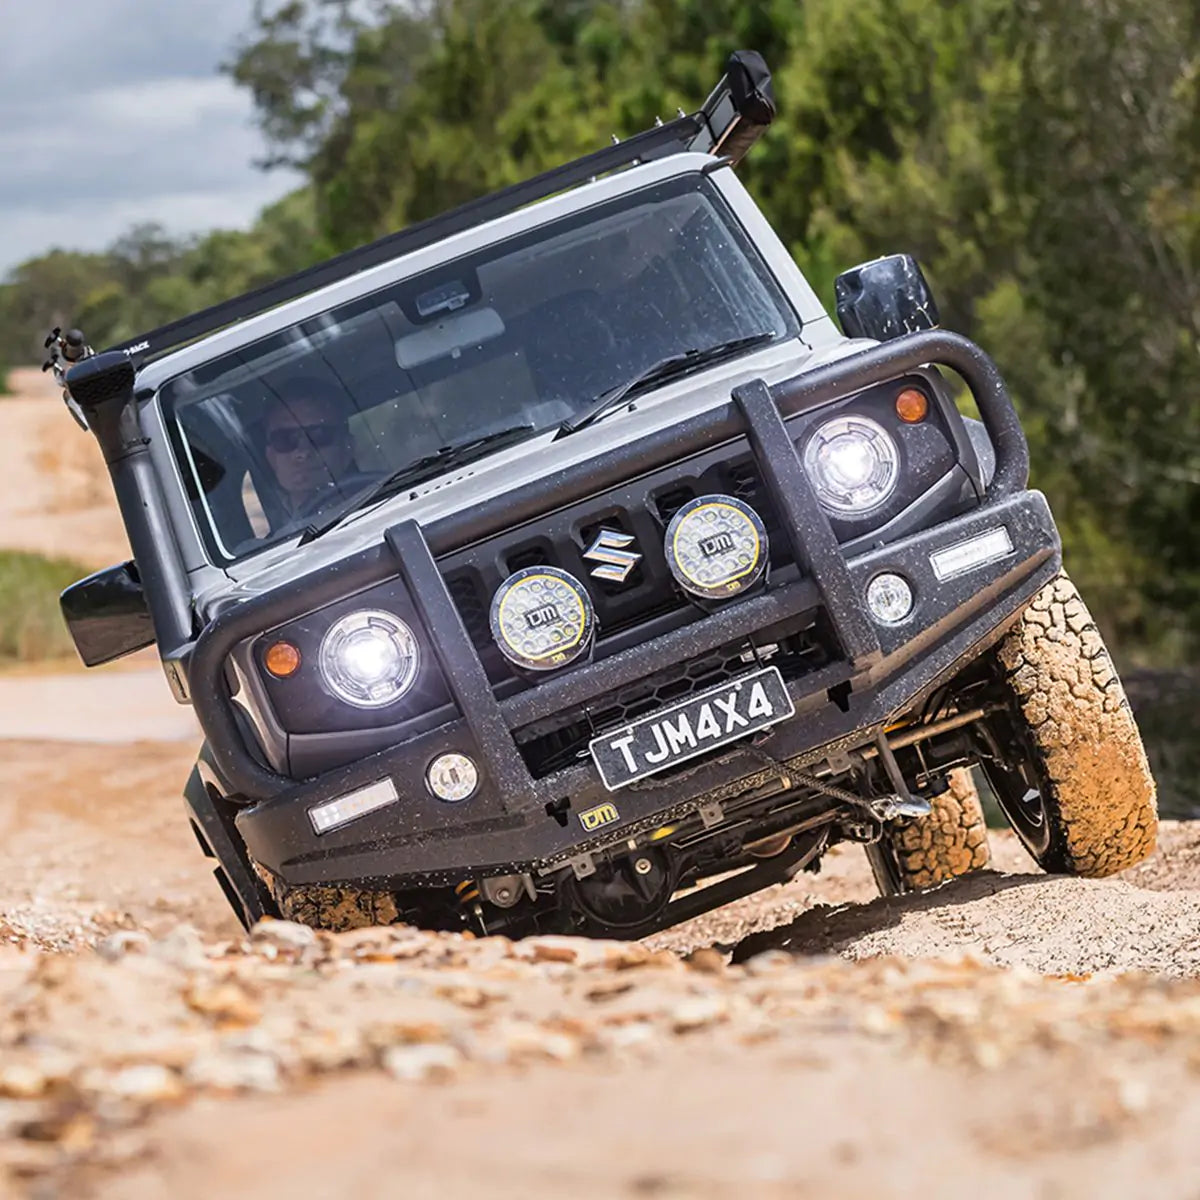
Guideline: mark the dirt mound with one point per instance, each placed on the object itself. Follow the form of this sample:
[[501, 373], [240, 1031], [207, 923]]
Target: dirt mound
[[149, 1048], [97, 1050], [94, 839], [1048, 924]]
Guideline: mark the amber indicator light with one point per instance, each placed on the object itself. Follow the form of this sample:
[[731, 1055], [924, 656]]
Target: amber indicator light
[[912, 406], [282, 659]]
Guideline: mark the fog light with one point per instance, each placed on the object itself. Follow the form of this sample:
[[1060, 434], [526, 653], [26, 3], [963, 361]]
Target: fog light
[[890, 598], [334, 813], [452, 777], [974, 552]]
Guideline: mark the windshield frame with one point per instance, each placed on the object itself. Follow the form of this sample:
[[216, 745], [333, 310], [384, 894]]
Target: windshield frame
[[757, 258]]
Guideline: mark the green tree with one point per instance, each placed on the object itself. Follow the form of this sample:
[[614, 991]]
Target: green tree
[[1041, 159]]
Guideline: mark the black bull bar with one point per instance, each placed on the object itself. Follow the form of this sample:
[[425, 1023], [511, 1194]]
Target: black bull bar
[[755, 411]]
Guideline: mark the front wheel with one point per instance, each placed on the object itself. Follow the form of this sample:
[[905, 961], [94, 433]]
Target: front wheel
[[923, 852], [1064, 755], [326, 906]]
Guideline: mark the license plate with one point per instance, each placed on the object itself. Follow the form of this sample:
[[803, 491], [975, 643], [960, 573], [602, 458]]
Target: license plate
[[692, 727]]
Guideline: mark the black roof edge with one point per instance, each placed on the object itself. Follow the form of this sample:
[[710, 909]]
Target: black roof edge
[[721, 126]]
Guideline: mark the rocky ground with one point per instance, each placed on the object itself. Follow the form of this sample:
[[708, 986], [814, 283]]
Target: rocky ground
[[1009, 1035], [1021, 1030]]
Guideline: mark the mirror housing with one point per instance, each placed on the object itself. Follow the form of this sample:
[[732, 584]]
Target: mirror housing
[[885, 299], [107, 614]]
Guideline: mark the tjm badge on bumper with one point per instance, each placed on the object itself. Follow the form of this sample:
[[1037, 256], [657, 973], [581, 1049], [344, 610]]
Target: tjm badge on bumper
[[598, 817], [704, 722]]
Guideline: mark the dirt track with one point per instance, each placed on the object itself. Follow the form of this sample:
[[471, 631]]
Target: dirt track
[[1011, 1034], [592, 1069]]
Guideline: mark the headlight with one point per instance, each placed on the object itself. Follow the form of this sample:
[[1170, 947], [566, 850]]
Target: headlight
[[716, 547], [853, 463], [369, 658], [542, 618]]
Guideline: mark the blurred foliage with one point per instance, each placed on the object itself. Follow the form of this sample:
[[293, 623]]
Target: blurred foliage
[[146, 278], [33, 629], [1042, 159], [1165, 703]]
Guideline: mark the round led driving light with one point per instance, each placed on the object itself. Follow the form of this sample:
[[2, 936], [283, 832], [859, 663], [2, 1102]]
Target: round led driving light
[[853, 463], [890, 598], [452, 777], [716, 547], [369, 658], [542, 618]]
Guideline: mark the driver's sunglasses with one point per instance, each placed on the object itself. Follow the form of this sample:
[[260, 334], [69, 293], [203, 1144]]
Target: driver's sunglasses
[[291, 438]]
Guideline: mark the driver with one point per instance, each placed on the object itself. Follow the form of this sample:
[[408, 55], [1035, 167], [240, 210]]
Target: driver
[[308, 445]]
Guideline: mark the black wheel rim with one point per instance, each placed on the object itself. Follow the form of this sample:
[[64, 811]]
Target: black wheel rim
[[1024, 806], [885, 866], [1020, 790]]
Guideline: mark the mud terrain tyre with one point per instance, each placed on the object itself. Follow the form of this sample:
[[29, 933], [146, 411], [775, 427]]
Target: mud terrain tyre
[[925, 852], [1083, 800], [333, 908], [950, 842]]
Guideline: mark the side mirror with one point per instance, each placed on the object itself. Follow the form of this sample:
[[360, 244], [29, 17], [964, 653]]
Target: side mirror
[[107, 614], [885, 299]]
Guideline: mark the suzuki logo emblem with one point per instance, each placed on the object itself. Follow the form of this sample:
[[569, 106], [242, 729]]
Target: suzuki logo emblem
[[611, 551]]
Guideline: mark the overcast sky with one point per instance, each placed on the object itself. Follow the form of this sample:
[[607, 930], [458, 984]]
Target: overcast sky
[[112, 112]]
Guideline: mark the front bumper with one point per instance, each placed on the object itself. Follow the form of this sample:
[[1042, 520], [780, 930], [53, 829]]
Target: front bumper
[[510, 823], [419, 839]]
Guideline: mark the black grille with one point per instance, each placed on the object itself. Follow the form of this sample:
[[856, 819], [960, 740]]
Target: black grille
[[528, 556], [668, 503], [560, 741], [743, 481], [473, 605], [562, 538]]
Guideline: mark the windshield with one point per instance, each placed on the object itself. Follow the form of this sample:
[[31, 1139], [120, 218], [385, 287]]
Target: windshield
[[525, 332]]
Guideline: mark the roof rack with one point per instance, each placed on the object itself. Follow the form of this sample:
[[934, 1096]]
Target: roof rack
[[730, 121]]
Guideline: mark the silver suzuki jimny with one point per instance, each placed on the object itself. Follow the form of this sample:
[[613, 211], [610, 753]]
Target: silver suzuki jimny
[[559, 564]]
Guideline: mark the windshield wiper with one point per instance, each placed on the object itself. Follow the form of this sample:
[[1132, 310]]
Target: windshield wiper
[[415, 472], [672, 367]]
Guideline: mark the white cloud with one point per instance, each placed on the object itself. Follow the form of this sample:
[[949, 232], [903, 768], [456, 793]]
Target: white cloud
[[123, 118], [168, 103], [80, 224]]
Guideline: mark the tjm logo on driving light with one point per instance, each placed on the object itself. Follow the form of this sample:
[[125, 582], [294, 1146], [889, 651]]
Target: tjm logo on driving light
[[610, 549], [719, 543], [536, 618]]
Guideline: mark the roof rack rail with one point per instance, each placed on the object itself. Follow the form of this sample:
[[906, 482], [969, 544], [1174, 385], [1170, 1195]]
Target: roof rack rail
[[730, 121]]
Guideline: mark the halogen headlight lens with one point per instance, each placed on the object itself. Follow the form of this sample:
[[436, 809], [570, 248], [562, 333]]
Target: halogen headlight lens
[[369, 658], [716, 547], [542, 618], [853, 463]]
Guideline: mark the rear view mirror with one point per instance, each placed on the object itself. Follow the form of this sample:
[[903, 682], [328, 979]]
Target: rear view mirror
[[451, 335], [885, 299], [107, 614]]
